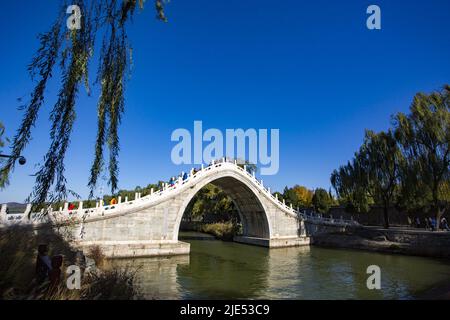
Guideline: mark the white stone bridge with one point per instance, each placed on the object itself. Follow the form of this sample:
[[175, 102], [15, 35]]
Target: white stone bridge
[[149, 225]]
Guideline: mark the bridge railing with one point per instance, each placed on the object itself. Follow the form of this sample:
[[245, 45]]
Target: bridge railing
[[167, 190]]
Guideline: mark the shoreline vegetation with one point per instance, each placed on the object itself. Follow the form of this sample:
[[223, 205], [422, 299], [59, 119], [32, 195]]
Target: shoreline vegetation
[[224, 231], [99, 280]]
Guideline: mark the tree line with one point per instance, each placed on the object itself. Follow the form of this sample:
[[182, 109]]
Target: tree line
[[406, 166]]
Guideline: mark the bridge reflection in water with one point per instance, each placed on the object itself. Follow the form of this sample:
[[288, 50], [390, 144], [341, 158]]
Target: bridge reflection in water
[[222, 270]]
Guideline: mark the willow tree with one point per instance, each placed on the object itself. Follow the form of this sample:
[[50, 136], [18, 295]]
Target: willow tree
[[382, 159], [70, 50], [424, 136], [350, 183]]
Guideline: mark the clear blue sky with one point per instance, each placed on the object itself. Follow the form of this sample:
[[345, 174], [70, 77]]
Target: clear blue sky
[[311, 69]]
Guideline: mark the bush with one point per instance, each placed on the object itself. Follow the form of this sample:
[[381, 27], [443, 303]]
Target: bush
[[221, 230]]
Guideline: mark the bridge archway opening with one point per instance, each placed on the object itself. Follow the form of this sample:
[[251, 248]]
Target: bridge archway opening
[[250, 212]]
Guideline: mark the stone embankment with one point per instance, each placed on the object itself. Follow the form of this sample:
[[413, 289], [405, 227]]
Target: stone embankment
[[406, 241]]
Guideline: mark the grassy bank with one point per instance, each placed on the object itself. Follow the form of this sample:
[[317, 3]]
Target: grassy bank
[[18, 247]]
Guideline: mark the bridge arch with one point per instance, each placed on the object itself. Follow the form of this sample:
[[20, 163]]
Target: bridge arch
[[247, 199]]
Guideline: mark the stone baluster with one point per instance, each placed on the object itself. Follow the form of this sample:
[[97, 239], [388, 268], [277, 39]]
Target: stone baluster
[[136, 196], [27, 210], [66, 206], [245, 167], [80, 207], [119, 199], [203, 167], [3, 213], [152, 191], [126, 199]]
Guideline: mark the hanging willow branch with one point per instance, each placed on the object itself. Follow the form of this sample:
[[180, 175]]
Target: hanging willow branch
[[74, 50]]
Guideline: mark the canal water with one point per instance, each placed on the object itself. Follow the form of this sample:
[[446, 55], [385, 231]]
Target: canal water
[[226, 270]]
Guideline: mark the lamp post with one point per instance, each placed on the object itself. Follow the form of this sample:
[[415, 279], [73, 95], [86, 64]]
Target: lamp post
[[21, 159]]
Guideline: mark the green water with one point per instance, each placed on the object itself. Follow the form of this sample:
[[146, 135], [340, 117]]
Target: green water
[[223, 270]]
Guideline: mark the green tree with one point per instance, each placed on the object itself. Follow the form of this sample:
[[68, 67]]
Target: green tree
[[424, 136], [71, 51], [382, 158], [321, 200], [349, 182], [290, 197]]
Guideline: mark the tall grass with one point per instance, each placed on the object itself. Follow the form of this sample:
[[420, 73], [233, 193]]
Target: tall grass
[[18, 252]]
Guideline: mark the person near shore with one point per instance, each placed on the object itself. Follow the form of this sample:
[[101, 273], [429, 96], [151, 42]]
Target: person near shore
[[433, 224], [427, 224], [55, 273], [444, 224], [43, 264], [416, 222]]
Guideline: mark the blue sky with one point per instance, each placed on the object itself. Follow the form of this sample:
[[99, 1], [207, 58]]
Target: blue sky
[[311, 69]]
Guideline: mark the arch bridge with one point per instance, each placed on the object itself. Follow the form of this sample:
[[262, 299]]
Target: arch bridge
[[149, 225]]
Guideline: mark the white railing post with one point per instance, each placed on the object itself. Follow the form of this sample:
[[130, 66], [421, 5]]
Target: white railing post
[[3, 216], [136, 196], [262, 183], [245, 167], [152, 191], [66, 206], [268, 190], [253, 174], [284, 201], [235, 162], [28, 209], [119, 200], [276, 196], [126, 199], [80, 206], [203, 167]]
